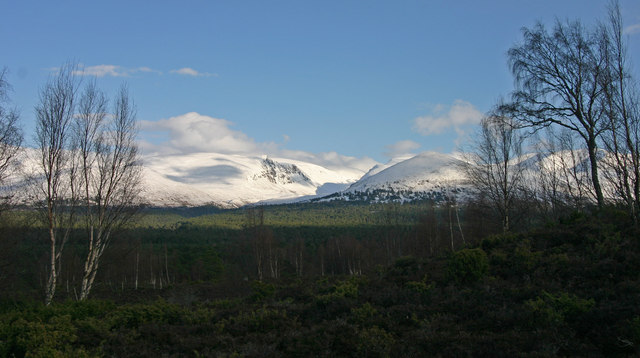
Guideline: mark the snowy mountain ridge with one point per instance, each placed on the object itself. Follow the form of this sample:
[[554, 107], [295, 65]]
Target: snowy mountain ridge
[[428, 175], [233, 180]]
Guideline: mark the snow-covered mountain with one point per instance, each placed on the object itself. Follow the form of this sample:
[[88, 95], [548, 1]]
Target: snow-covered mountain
[[235, 180], [228, 180], [232, 181], [428, 175]]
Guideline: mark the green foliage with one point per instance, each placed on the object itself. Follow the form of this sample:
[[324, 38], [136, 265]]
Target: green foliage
[[421, 287], [405, 267], [556, 310], [364, 313], [467, 265], [343, 289], [568, 289], [330, 214], [523, 258], [198, 263], [260, 320], [134, 316], [493, 241], [375, 342], [261, 291], [53, 337]]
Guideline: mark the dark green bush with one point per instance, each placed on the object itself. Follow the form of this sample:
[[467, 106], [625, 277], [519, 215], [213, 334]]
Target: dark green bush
[[556, 310], [36, 338], [374, 342], [467, 265], [261, 291]]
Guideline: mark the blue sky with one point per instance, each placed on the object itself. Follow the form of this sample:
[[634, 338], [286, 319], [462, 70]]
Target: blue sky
[[359, 78]]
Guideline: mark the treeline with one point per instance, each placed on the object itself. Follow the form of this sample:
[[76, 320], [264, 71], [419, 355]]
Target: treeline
[[170, 249]]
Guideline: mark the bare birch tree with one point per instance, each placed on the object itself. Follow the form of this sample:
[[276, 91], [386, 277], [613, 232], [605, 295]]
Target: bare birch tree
[[110, 170], [548, 184], [559, 76], [493, 167], [10, 140], [54, 115], [563, 178], [620, 103]]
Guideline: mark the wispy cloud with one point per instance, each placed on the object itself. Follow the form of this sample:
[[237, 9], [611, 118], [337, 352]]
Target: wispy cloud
[[632, 29], [460, 114], [110, 71], [401, 148], [188, 71], [120, 71]]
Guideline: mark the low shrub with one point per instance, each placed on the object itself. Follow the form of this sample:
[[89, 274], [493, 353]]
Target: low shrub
[[467, 265]]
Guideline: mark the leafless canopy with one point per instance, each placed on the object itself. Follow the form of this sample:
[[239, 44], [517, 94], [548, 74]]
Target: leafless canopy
[[559, 81], [10, 136], [621, 105], [89, 160], [111, 172], [493, 167], [54, 117]]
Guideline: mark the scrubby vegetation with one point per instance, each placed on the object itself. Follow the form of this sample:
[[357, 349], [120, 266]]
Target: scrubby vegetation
[[565, 288]]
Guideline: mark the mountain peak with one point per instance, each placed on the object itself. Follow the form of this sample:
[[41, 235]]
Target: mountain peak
[[281, 173]]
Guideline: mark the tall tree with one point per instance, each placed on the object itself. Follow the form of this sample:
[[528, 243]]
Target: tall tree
[[111, 172], [493, 167], [54, 116], [620, 103], [559, 81], [10, 139]]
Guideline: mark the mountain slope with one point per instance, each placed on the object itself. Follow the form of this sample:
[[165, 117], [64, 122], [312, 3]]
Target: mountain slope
[[227, 180], [419, 173], [234, 180], [428, 175]]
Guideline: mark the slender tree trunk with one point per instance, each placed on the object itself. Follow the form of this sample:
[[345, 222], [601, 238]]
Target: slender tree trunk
[[137, 265], [451, 227], [88, 267], [460, 226], [53, 274], [593, 160]]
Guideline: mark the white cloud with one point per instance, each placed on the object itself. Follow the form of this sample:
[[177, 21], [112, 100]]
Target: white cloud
[[110, 70], [120, 71], [461, 113], [401, 148], [102, 70], [188, 71], [193, 132], [631, 29], [196, 133]]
